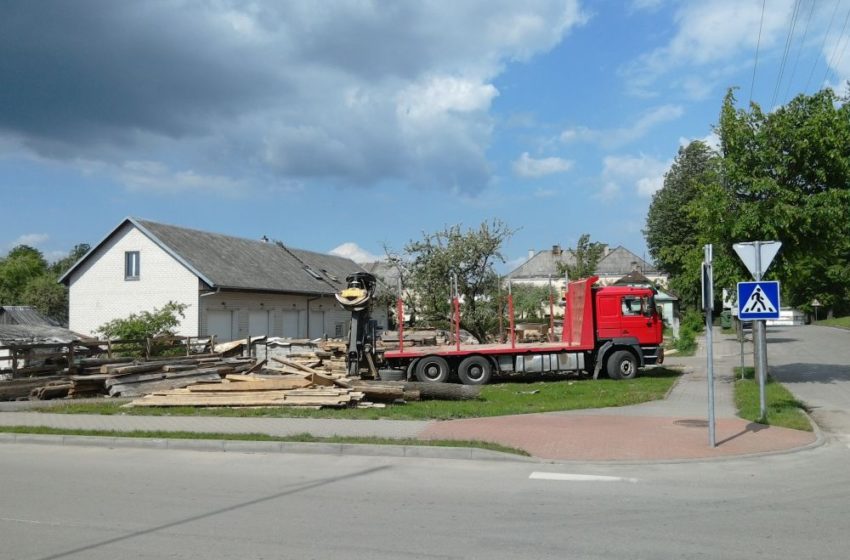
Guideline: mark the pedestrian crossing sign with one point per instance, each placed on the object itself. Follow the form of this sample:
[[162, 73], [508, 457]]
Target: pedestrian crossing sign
[[758, 300]]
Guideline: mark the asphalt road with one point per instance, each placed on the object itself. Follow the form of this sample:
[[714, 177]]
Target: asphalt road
[[101, 504], [814, 363]]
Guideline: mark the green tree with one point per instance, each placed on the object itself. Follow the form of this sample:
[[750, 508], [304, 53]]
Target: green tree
[[22, 264], [431, 262], [587, 255], [61, 266], [788, 173], [529, 301], [48, 296], [146, 324], [688, 212]]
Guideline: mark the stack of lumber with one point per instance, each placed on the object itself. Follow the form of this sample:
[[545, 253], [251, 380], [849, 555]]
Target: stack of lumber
[[140, 379], [16, 389], [259, 391]]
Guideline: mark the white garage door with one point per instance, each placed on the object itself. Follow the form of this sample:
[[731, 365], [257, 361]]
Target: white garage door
[[290, 324], [258, 323], [317, 324], [220, 324]]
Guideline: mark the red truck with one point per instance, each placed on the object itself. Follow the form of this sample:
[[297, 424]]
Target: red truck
[[617, 329]]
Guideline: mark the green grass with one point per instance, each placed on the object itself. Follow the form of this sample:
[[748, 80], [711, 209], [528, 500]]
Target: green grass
[[783, 409], [841, 322], [298, 438], [496, 400]]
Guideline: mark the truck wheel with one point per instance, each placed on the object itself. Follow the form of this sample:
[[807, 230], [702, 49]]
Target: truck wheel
[[474, 370], [432, 369], [622, 365]]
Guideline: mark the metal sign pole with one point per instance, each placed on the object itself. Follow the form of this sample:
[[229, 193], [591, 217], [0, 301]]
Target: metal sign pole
[[761, 342], [708, 303]]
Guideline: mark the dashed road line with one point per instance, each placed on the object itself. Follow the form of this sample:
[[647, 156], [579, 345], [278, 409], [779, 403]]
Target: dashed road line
[[567, 477]]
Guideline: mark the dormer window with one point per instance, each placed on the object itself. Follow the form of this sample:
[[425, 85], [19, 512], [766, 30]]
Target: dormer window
[[313, 273], [131, 265]]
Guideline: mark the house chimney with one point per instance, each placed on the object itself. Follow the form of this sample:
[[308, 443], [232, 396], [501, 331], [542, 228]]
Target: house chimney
[[606, 250], [556, 250], [530, 254]]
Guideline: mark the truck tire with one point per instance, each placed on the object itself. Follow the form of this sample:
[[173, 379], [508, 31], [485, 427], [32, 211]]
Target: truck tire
[[475, 370], [432, 369], [621, 365]]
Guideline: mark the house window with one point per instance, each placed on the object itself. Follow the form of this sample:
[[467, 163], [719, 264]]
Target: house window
[[131, 265]]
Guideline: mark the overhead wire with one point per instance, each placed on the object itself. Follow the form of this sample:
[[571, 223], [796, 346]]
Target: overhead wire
[[799, 51], [822, 44], [788, 41], [758, 44], [832, 59]]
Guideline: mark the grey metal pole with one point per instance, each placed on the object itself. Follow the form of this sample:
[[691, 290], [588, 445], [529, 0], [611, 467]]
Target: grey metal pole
[[709, 341], [761, 343]]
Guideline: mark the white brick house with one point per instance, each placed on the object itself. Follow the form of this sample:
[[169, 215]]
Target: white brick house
[[232, 287]]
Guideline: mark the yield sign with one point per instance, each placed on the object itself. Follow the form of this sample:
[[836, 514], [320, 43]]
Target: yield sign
[[758, 300], [766, 251]]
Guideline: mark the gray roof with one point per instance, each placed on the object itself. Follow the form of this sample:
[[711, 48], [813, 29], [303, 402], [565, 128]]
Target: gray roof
[[24, 315], [233, 263], [622, 261], [545, 263], [36, 333]]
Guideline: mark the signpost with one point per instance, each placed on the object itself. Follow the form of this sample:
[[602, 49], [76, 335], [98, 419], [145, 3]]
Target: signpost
[[708, 305], [757, 256]]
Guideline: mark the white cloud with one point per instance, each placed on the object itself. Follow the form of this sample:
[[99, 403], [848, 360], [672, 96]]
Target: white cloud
[[707, 33], [529, 167], [30, 239], [643, 173], [153, 176], [621, 136], [353, 92], [355, 252], [712, 140]]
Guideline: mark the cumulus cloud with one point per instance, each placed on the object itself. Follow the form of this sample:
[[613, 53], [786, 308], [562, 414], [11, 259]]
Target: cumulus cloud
[[712, 140], [529, 167], [643, 173], [30, 239], [711, 32], [354, 92], [355, 252], [621, 136]]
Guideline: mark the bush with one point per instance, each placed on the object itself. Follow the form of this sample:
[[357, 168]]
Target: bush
[[691, 325], [147, 324]]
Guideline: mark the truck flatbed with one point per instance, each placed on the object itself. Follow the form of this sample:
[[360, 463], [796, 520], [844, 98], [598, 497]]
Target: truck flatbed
[[486, 349]]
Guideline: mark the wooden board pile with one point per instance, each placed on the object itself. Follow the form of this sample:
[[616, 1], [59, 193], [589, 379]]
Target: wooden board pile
[[298, 390], [141, 379]]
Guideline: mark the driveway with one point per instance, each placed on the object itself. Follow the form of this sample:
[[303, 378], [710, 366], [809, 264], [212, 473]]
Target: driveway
[[814, 363]]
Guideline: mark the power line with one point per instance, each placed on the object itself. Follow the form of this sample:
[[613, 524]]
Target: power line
[[785, 53], [799, 51], [758, 44], [835, 50], [823, 43]]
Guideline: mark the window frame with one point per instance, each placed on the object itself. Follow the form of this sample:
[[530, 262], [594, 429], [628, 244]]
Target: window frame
[[132, 263]]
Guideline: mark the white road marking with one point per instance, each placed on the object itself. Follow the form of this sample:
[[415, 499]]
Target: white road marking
[[579, 477]]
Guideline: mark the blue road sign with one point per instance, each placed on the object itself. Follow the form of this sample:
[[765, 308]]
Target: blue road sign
[[758, 300]]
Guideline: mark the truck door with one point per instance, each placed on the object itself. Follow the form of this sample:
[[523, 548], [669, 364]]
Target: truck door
[[637, 319]]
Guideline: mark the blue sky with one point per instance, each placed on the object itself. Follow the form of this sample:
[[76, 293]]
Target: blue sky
[[348, 126]]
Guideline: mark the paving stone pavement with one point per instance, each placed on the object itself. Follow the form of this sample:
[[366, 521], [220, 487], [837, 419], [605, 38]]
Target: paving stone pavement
[[671, 429]]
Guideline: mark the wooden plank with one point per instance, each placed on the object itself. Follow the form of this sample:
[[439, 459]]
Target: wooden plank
[[295, 365], [259, 385]]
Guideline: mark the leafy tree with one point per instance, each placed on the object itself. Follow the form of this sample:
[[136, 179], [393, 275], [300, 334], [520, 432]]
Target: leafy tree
[[61, 266], [587, 255], [529, 301], [22, 264], [788, 173], [471, 255], [48, 296], [147, 324]]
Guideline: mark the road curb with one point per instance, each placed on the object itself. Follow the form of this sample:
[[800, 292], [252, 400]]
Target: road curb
[[245, 446]]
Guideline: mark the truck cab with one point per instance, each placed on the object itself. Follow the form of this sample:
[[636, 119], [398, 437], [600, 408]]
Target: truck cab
[[627, 319]]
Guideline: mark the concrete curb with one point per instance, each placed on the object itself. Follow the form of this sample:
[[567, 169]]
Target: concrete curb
[[243, 446]]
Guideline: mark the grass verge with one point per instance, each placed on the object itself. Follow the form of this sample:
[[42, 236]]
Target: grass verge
[[841, 322], [783, 409], [496, 400], [298, 438]]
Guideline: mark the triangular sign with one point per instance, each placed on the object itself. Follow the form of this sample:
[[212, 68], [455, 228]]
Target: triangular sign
[[758, 303], [747, 252]]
